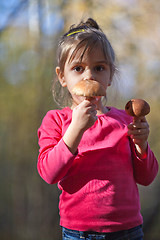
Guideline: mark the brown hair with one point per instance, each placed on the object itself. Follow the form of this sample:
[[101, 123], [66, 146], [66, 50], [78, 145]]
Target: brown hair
[[87, 35]]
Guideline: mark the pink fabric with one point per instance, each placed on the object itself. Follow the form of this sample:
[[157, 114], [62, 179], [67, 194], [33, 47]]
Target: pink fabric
[[99, 183]]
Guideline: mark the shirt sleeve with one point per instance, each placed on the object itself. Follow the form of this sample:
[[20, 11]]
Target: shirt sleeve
[[145, 168], [54, 158]]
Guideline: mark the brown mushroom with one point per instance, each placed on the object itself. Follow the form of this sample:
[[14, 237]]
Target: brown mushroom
[[89, 88], [137, 108]]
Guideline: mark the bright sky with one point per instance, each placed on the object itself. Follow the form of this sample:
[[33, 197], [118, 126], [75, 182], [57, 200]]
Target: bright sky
[[27, 14]]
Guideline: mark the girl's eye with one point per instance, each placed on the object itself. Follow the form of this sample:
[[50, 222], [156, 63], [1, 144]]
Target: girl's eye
[[78, 69], [99, 68]]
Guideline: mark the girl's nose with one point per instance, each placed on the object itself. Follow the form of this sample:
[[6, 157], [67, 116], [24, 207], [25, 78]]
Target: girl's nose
[[89, 75]]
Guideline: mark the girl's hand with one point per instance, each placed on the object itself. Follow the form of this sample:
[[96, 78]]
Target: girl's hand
[[139, 132], [84, 115]]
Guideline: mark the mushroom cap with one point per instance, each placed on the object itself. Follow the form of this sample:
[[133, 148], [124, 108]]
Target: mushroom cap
[[137, 108], [88, 88]]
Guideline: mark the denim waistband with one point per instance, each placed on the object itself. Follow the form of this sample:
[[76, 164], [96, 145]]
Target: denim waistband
[[130, 234]]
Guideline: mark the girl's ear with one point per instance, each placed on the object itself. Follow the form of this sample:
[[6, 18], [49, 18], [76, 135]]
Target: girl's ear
[[61, 77]]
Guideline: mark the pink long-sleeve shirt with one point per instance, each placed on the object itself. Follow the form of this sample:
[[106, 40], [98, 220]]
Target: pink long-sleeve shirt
[[99, 183]]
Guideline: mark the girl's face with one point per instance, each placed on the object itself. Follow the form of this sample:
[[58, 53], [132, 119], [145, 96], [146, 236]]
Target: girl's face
[[93, 66]]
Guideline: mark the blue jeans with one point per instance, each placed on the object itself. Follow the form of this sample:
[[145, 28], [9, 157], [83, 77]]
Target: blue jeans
[[135, 233]]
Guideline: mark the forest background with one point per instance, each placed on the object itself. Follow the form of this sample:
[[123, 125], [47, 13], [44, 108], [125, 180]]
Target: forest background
[[29, 30]]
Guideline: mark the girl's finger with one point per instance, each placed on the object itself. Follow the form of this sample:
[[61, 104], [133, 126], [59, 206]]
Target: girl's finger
[[139, 119], [140, 138], [138, 133], [138, 125]]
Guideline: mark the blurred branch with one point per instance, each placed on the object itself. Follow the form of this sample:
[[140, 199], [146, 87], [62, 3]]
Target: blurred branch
[[13, 15]]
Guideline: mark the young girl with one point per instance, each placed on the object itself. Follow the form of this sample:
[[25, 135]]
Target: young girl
[[96, 154]]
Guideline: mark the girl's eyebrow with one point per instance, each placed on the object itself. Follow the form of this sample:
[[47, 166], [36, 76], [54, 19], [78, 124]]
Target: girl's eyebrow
[[102, 62], [96, 62], [76, 62]]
